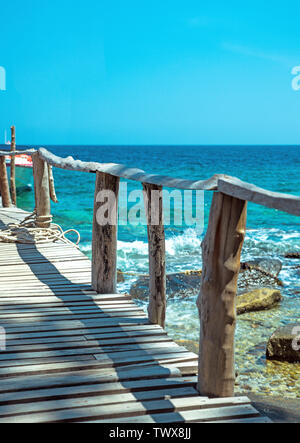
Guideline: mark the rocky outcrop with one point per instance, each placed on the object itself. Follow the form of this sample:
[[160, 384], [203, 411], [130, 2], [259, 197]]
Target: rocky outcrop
[[258, 300], [284, 344], [255, 274]]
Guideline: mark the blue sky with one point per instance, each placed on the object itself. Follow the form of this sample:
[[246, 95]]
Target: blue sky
[[150, 72]]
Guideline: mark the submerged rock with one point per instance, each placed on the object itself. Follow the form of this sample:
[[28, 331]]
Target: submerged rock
[[293, 255], [181, 284], [258, 300], [269, 266], [259, 273], [284, 344], [251, 279]]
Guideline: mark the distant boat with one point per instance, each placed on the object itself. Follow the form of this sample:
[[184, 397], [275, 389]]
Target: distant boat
[[22, 161], [23, 172]]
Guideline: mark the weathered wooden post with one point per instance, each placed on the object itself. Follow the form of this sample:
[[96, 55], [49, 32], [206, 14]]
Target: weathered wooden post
[[157, 253], [13, 167], [222, 248], [42, 193], [4, 187], [105, 232]]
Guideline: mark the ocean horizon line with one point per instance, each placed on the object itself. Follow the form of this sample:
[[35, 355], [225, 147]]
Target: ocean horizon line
[[76, 145]]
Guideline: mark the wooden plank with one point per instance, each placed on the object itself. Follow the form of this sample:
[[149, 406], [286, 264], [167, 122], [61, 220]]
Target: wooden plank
[[35, 270], [77, 309], [65, 339], [70, 313], [41, 258], [35, 304], [40, 361], [122, 385], [44, 341], [37, 250], [64, 296], [71, 275], [89, 333], [48, 271], [64, 307], [61, 306], [72, 316], [151, 347], [54, 286], [60, 310], [58, 280], [86, 343], [244, 420], [84, 377], [75, 324], [68, 364], [196, 416], [188, 364], [128, 409], [95, 400], [84, 363]]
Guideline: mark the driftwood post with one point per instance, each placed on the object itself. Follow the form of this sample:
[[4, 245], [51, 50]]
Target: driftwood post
[[4, 187], [42, 193], [157, 253], [13, 167], [222, 248], [105, 232]]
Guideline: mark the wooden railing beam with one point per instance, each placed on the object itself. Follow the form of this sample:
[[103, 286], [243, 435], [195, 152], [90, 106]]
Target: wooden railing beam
[[220, 182], [105, 232], [157, 253], [221, 248]]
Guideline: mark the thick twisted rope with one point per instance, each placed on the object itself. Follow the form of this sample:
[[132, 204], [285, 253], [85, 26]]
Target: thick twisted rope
[[26, 232]]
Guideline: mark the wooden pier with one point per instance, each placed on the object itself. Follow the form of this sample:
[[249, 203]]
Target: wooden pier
[[75, 355], [77, 351]]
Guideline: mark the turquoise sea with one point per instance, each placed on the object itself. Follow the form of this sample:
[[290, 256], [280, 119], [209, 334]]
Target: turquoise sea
[[270, 233]]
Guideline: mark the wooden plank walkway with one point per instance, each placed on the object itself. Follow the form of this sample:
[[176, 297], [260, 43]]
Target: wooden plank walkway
[[73, 355]]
